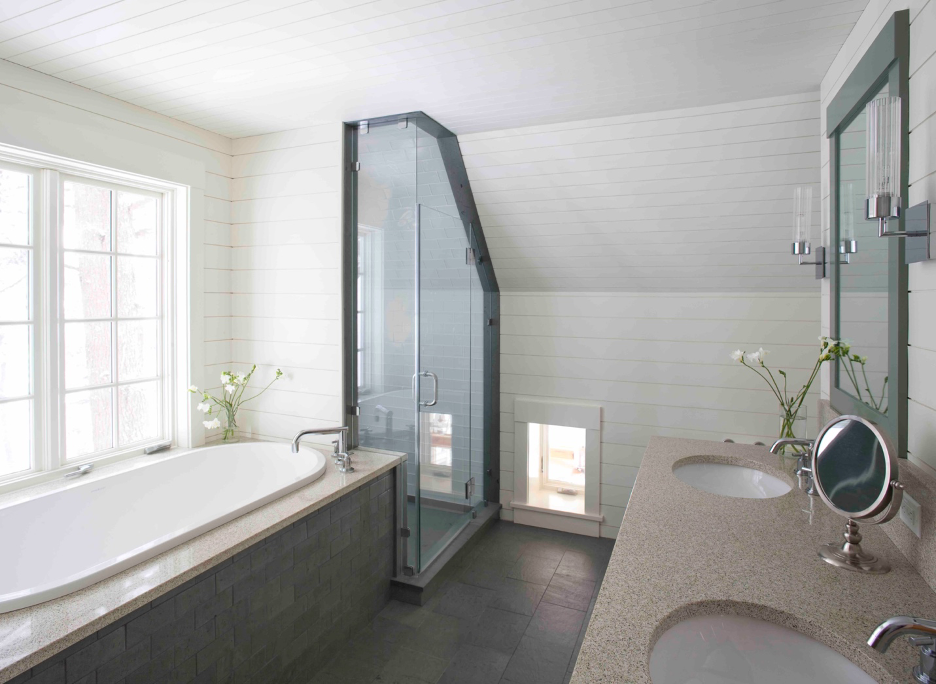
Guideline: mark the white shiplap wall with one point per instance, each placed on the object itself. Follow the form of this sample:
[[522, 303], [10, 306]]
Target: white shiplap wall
[[680, 201], [285, 279], [49, 115], [640, 316], [658, 363], [922, 298]]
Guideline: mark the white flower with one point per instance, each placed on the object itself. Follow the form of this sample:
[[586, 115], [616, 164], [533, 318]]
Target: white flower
[[204, 407], [230, 389], [737, 355], [224, 377], [192, 388], [240, 379], [216, 423]]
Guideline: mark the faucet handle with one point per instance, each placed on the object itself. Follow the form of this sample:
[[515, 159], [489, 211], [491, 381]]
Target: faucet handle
[[335, 447], [923, 642]]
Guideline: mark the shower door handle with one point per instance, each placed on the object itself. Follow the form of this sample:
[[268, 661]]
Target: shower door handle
[[435, 387]]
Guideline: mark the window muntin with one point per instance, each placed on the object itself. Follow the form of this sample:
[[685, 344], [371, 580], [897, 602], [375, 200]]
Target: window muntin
[[112, 325], [83, 358], [17, 320]]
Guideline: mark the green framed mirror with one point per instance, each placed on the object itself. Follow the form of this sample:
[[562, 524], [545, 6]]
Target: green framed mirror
[[868, 275]]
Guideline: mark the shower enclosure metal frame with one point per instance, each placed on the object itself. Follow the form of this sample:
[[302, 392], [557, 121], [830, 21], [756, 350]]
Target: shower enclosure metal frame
[[468, 214]]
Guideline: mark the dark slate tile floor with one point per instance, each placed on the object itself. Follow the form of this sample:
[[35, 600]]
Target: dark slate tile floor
[[513, 612]]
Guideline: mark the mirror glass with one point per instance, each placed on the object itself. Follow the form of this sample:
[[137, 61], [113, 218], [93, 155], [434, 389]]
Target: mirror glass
[[863, 277], [851, 466]]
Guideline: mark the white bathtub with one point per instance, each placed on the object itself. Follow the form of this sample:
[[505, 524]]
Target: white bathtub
[[69, 539]]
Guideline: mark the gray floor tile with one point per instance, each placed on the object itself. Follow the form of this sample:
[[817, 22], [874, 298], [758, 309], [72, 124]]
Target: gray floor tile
[[537, 662], [486, 572], [518, 596], [553, 550], [408, 665], [464, 601], [475, 665], [499, 629], [404, 613], [556, 624], [583, 565], [441, 635], [535, 569], [568, 591]]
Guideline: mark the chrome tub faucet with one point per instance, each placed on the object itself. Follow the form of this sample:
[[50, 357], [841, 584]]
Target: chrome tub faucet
[[922, 633], [341, 455]]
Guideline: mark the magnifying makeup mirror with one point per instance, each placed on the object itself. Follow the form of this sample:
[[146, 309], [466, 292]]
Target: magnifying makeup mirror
[[855, 470]]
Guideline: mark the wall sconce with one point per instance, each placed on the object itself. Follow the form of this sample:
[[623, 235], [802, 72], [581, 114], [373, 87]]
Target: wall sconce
[[882, 169], [803, 237], [848, 245]]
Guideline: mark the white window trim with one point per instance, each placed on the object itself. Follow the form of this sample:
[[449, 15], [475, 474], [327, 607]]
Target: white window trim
[[182, 319], [570, 414]]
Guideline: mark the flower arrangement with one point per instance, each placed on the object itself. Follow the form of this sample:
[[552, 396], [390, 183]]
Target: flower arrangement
[[790, 405], [234, 385], [867, 397]]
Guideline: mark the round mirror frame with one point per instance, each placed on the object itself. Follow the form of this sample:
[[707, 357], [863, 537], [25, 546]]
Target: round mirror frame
[[888, 501]]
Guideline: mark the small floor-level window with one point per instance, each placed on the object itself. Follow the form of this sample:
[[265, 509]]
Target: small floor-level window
[[556, 463], [83, 324]]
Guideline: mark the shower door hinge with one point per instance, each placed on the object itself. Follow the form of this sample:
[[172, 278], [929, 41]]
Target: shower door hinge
[[409, 570], [354, 166], [353, 410], [471, 257], [490, 321], [469, 488], [401, 123], [362, 127], [405, 532]]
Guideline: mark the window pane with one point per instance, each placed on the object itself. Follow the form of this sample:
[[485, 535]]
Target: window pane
[[14, 284], [87, 354], [138, 416], [15, 436], [15, 361], [14, 208], [87, 286], [88, 422], [86, 221], [566, 455], [136, 224], [137, 345], [136, 287]]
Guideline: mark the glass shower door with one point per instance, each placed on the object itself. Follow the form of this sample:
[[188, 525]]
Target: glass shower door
[[443, 382]]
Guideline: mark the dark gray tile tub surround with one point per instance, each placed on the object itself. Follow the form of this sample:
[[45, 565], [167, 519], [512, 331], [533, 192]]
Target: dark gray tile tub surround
[[275, 612]]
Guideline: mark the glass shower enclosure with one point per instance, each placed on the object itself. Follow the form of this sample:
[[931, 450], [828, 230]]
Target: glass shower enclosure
[[418, 372]]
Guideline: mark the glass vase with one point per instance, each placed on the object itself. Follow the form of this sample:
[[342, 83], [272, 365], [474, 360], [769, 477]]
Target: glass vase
[[230, 435], [793, 424]]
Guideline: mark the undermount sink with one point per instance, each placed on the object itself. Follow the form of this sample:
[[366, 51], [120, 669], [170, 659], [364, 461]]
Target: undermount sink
[[730, 649], [731, 480]]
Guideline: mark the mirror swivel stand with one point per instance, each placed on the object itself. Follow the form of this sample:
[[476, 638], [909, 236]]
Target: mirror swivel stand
[[850, 554]]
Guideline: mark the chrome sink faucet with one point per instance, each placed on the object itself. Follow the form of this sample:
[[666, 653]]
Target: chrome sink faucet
[[341, 455], [803, 469], [922, 633]]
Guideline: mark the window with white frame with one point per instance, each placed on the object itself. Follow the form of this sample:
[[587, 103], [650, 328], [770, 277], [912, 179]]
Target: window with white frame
[[83, 325]]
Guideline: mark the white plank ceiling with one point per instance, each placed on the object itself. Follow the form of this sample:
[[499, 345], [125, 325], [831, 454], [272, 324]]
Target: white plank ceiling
[[245, 67]]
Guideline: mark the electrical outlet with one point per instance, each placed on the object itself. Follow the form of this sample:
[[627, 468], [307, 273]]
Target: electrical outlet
[[910, 514]]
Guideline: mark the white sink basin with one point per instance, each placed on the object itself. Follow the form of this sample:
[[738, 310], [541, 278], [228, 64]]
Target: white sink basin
[[731, 480], [729, 649]]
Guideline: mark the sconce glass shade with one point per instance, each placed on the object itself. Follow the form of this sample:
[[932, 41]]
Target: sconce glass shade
[[882, 165], [802, 219]]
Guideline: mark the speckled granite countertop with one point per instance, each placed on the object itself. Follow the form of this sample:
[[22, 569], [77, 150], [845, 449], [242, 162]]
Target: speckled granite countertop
[[683, 552], [30, 635]]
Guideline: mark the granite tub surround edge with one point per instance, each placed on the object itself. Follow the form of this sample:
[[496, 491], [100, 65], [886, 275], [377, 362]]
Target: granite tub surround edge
[[31, 635], [683, 552]]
